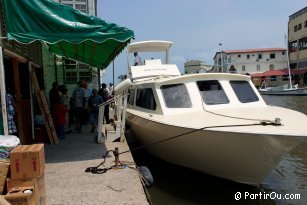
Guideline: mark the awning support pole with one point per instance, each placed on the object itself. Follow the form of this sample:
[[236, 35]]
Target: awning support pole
[[3, 92]]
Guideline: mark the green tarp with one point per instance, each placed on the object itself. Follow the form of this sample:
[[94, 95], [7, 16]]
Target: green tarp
[[67, 32]]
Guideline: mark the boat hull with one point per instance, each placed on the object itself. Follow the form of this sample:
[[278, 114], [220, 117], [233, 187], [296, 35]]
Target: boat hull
[[241, 157], [294, 92]]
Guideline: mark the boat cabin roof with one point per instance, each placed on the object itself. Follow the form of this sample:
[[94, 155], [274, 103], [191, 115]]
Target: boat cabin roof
[[149, 46], [160, 80]]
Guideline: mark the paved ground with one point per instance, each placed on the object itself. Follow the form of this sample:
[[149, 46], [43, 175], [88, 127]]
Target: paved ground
[[68, 183]]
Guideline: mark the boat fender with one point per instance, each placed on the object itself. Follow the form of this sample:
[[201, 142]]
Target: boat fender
[[145, 172], [124, 85]]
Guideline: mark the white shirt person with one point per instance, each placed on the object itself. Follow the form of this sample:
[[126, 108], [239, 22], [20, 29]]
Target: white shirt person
[[137, 59]]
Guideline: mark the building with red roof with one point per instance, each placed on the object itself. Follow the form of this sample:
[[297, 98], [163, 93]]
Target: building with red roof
[[250, 61]]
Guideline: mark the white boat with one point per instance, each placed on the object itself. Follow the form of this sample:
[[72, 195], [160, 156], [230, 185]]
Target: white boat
[[285, 89], [216, 123]]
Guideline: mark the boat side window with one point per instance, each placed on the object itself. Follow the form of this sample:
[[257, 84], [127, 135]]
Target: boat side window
[[146, 99], [243, 91], [176, 96], [212, 92], [131, 96]]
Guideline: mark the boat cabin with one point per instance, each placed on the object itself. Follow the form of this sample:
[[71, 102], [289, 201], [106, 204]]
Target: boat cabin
[[193, 92]]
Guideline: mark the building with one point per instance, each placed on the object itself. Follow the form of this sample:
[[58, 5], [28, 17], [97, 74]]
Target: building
[[297, 39], [250, 60], [86, 6], [196, 66]]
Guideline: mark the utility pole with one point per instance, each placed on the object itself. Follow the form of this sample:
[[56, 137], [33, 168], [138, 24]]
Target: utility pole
[[222, 67]]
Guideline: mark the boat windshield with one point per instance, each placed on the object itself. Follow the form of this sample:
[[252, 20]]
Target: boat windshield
[[176, 96], [212, 92], [243, 91]]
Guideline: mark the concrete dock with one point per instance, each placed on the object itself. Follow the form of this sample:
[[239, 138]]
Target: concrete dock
[[67, 183]]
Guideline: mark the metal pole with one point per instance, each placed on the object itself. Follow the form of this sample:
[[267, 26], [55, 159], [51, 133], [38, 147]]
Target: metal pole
[[288, 64], [123, 120], [222, 69], [3, 92], [99, 78], [113, 74]]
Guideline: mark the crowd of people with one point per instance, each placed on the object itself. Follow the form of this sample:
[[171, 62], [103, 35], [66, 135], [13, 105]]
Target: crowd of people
[[79, 109]]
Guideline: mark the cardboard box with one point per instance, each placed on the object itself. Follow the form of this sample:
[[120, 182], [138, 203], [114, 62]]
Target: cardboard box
[[4, 171], [39, 186], [18, 196], [27, 161], [3, 201]]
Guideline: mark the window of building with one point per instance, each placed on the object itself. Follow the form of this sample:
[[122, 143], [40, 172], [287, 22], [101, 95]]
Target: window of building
[[272, 55], [247, 56], [81, 7], [283, 53], [305, 24], [243, 91], [146, 99], [176, 96], [259, 56], [243, 67], [271, 67], [299, 26], [71, 77], [212, 92], [239, 56], [295, 28], [74, 72], [85, 75], [302, 64], [293, 46], [303, 43], [232, 69], [258, 67]]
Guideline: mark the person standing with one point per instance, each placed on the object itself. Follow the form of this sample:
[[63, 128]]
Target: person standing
[[137, 59], [60, 118], [54, 95], [79, 100], [111, 89], [94, 101], [65, 101], [104, 93]]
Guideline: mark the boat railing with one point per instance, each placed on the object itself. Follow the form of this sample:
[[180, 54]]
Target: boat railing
[[118, 105]]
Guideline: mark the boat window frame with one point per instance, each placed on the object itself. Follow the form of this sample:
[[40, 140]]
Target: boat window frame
[[144, 105], [222, 94], [182, 100], [243, 97]]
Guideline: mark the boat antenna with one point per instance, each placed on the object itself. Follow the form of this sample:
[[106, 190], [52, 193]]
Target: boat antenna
[[288, 64]]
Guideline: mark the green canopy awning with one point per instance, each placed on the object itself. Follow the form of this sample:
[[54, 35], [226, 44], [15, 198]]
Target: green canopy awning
[[67, 32]]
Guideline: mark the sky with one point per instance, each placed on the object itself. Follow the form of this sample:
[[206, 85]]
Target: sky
[[197, 27]]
